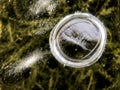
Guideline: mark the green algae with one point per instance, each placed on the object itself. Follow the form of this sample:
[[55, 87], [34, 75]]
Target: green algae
[[21, 34]]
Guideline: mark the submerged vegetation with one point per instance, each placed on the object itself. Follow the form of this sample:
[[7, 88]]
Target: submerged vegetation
[[23, 32]]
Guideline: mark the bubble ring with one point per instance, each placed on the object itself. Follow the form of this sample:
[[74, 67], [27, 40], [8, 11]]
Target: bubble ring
[[61, 57]]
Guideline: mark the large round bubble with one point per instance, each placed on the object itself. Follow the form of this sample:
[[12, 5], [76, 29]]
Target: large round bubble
[[78, 40]]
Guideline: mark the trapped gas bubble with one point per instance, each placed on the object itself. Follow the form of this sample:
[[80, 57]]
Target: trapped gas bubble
[[78, 40]]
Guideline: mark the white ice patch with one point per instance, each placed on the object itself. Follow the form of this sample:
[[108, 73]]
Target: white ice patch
[[42, 6], [27, 62]]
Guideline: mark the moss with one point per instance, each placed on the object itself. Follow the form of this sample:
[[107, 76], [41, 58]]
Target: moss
[[21, 34]]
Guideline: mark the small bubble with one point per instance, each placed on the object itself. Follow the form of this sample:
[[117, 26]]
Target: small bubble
[[76, 49], [64, 65], [103, 65]]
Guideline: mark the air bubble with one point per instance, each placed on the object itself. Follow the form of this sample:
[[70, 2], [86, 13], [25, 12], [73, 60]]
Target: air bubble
[[78, 40]]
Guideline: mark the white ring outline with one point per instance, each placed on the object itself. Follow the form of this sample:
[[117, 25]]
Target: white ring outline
[[94, 57]]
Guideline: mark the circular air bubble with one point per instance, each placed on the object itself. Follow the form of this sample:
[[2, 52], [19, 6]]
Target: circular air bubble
[[78, 40]]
